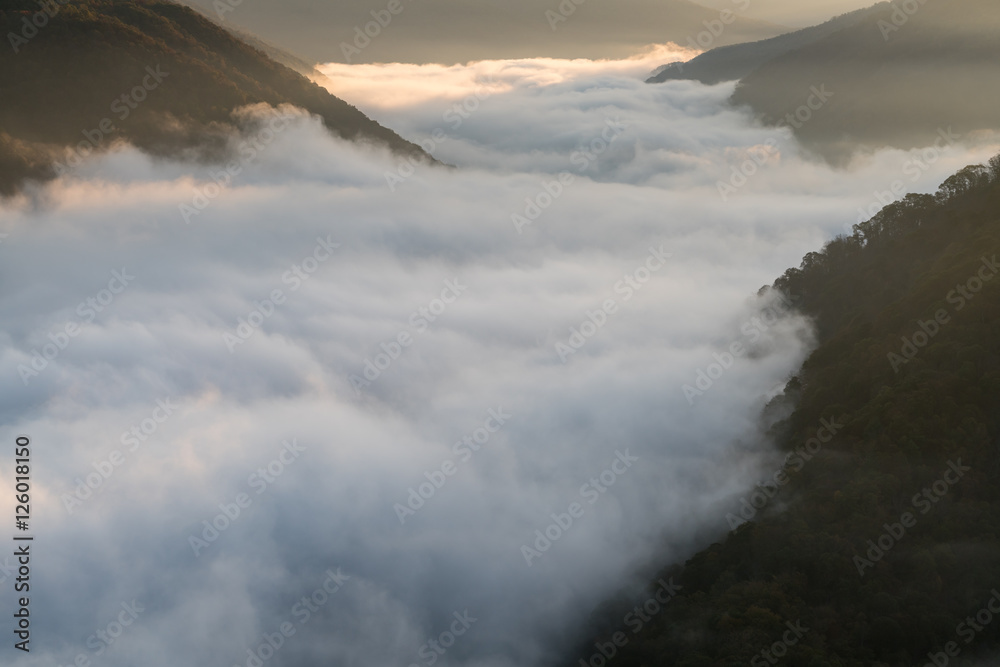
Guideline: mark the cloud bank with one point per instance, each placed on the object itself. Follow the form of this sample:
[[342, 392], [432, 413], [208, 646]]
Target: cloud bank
[[335, 407]]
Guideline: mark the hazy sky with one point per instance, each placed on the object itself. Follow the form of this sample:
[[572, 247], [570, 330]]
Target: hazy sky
[[481, 302], [458, 31], [795, 13]]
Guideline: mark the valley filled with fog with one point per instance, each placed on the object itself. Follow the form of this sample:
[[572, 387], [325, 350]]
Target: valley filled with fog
[[398, 372]]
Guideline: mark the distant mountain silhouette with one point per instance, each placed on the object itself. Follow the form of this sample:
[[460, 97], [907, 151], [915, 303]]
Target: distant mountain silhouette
[[897, 79], [732, 63]]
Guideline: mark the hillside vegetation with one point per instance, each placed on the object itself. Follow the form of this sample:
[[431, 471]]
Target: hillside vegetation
[[884, 542], [60, 81]]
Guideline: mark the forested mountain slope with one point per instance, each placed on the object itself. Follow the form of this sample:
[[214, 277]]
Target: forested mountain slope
[[163, 76], [880, 546]]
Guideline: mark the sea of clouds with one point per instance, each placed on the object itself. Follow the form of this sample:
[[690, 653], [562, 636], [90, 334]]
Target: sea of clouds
[[378, 380]]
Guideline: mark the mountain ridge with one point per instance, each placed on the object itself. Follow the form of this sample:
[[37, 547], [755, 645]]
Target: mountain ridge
[[856, 537], [734, 62], [100, 53], [896, 78]]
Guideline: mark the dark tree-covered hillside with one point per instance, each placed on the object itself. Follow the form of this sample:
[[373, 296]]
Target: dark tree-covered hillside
[[885, 541], [60, 81]]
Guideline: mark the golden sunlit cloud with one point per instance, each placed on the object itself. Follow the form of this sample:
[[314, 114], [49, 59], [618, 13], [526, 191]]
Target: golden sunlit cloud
[[393, 85]]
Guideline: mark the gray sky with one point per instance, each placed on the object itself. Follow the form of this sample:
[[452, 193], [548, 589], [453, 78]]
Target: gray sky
[[796, 13], [451, 31]]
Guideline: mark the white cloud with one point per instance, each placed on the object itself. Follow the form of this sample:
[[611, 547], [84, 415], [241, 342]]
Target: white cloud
[[655, 185]]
